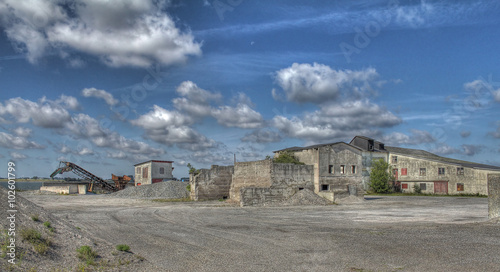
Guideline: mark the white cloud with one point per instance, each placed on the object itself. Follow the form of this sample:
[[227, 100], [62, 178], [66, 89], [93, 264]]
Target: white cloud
[[444, 149], [45, 113], [125, 33], [93, 92], [241, 116], [17, 142], [83, 126], [171, 127], [262, 136], [85, 151], [319, 83], [417, 137], [17, 156], [195, 101], [68, 102], [22, 132]]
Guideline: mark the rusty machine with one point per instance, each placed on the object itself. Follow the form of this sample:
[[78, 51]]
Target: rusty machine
[[93, 179]]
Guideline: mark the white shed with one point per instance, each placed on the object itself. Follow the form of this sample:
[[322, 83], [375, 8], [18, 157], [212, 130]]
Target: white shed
[[153, 171]]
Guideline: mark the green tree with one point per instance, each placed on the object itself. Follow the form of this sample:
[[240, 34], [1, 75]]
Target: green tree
[[287, 157], [192, 170], [380, 176]]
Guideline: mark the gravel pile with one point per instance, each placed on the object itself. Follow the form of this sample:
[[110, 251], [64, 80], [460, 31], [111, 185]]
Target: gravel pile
[[305, 197], [171, 189], [53, 241]]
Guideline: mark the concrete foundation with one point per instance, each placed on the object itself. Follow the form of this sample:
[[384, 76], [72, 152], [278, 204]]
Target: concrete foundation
[[64, 188], [494, 196]]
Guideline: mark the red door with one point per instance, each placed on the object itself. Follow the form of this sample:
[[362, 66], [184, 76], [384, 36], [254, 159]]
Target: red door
[[440, 187], [395, 173]]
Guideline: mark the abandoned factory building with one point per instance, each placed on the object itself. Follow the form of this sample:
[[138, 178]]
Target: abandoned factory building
[[338, 170]]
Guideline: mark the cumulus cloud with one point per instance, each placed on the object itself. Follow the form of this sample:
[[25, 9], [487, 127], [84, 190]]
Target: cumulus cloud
[[22, 131], [119, 33], [44, 113], [415, 138], [17, 156], [444, 149], [262, 136], [83, 126], [337, 122], [319, 83], [171, 127], [17, 142], [194, 100], [68, 102], [102, 94], [241, 116]]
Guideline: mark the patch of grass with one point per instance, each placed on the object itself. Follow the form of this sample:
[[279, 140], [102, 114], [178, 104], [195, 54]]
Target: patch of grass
[[32, 236], [140, 258], [87, 254], [34, 217], [4, 242], [46, 224], [187, 199], [122, 248]]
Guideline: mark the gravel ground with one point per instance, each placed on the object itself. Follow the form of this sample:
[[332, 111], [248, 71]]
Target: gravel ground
[[379, 234], [171, 189], [304, 197]]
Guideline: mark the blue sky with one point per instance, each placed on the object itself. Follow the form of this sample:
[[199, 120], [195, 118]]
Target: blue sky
[[108, 85]]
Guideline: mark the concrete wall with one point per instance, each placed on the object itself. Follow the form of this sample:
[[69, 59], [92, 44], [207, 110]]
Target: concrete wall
[[153, 172], [250, 174], [210, 184], [61, 189], [285, 180], [474, 180], [494, 195]]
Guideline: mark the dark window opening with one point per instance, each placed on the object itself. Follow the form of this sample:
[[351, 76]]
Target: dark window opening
[[423, 186], [422, 171], [441, 171], [224, 197], [460, 170], [301, 188], [330, 169], [324, 187], [394, 159], [162, 170], [460, 187], [353, 169]]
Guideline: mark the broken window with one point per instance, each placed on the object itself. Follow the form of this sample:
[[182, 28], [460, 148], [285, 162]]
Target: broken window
[[162, 170], [145, 173], [422, 171], [404, 171], [138, 170], [460, 187], [330, 169], [353, 169], [423, 186], [460, 170], [324, 187], [394, 159], [342, 169], [441, 171]]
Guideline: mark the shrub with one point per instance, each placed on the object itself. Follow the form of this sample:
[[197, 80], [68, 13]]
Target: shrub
[[122, 248], [188, 188], [85, 253], [31, 235], [417, 189], [380, 176], [287, 157]]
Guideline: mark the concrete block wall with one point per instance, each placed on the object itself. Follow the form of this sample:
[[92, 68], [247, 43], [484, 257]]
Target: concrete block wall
[[494, 196], [286, 179], [211, 184], [250, 174]]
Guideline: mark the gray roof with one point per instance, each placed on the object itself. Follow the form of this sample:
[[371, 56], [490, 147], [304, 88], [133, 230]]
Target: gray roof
[[430, 156], [297, 148]]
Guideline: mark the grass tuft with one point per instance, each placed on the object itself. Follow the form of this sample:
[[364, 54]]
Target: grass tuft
[[85, 253], [122, 248]]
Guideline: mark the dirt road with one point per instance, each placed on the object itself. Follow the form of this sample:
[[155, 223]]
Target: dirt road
[[380, 234]]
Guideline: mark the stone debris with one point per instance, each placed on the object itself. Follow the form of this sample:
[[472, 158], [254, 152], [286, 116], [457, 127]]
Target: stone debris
[[171, 189], [305, 197]]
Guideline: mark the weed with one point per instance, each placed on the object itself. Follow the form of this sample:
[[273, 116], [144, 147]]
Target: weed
[[85, 253], [51, 229], [47, 224], [4, 242], [32, 236], [34, 217], [140, 258], [122, 248], [78, 228]]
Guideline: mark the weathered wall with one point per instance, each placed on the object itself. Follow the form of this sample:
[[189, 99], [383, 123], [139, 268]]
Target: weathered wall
[[139, 177], [366, 167], [250, 174], [494, 195], [61, 189], [310, 157], [213, 183], [474, 180], [286, 179]]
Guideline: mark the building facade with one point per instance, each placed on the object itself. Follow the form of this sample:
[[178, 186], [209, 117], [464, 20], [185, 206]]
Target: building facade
[[341, 168], [153, 171]]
